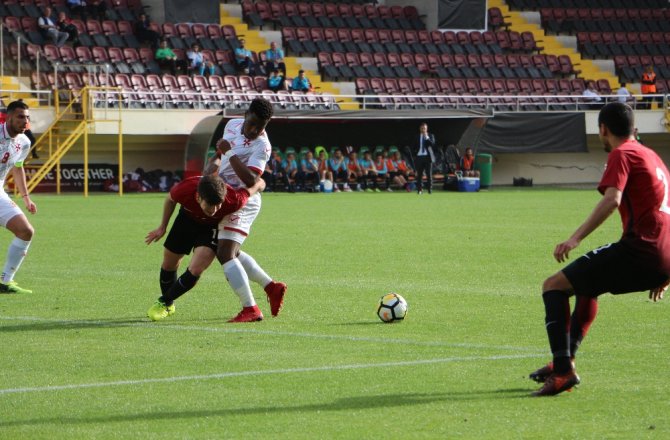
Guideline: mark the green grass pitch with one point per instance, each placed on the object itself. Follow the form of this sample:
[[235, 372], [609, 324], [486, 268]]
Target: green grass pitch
[[80, 359]]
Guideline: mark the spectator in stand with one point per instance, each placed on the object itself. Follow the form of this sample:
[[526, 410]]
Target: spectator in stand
[[167, 59], [97, 9], [64, 24], [274, 173], [301, 83], [369, 172], [338, 168], [648, 86], [591, 96], [275, 59], [243, 59], [623, 95], [144, 33], [468, 164], [290, 167], [309, 171], [49, 30], [197, 63], [78, 8], [276, 81]]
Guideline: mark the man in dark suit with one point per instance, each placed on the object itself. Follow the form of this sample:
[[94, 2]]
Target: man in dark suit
[[424, 158]]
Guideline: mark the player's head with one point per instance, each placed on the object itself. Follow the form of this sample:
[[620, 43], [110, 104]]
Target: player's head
[[211, 193], [257, 117], [18, 117], [615, 121]]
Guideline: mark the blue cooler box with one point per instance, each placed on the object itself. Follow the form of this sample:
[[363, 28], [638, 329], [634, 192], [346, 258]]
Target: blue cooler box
[[468, 184]]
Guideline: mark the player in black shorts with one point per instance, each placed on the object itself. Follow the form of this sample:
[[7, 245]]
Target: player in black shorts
[[635, 182]]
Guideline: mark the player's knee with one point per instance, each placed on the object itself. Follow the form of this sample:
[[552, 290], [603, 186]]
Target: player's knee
[[25, 232], [556, 282]]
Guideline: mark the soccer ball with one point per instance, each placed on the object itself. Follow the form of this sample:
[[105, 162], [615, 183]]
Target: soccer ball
[[392, 307]]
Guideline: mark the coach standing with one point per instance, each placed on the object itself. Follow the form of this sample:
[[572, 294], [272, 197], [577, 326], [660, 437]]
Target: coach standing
[[424, 157]]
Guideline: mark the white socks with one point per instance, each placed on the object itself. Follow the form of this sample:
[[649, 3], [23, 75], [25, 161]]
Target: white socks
[[253, 270], [239, 281], [15, 255]]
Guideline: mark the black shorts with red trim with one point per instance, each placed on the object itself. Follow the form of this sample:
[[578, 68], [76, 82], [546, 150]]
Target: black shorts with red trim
[[616, 268], [187, 234]]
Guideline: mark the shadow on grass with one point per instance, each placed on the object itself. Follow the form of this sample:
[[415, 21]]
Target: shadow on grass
[[37, 326], [343, 404]]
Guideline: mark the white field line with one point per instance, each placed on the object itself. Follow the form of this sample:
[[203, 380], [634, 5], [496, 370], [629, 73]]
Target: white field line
[[228, 328], [327, 368]]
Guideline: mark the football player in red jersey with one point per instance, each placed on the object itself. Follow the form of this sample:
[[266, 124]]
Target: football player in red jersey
[[636, 182], [204, 200]]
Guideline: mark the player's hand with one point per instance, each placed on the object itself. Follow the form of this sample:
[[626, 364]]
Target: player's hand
[[30, 205], [154, 235], [222, 146], [562, 251], [656, 294]]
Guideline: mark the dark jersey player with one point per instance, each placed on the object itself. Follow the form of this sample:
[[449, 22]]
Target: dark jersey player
[[636, 181], [204, 201]]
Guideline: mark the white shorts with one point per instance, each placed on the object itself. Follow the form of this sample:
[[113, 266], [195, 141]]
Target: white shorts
[[8, 209], [236, 226]]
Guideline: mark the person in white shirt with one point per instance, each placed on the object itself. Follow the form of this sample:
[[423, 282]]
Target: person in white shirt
[[623, 95], [592, 97], [14, 148], [242, 155], [49, 30]]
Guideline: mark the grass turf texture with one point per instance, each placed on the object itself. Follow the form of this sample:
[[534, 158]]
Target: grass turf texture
[[80, 359]]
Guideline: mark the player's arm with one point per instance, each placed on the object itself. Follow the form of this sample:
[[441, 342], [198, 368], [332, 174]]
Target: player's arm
[[20, 181], [610, 201], [257, 187], [215, 161], [168, 209], [656, 294], [246, 175]]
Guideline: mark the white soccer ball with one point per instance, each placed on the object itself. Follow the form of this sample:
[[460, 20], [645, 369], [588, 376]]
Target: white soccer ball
[[392, 308]]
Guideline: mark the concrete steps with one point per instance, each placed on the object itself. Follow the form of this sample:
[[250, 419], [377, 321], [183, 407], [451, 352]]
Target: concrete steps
[[255, 41]]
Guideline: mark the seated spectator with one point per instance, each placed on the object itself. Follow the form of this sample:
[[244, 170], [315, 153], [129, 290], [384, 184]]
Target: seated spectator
[[144, 33], [275, 59], [592, 97], [369, 173], [354, 172], [623, 95], [276, 81], [274, 173], [468, 164], [402, 167], [301, 83], [243, 59], [197, 63], [338, 169], [394, 175], [64, 24], [290, 167], [78, 9], [324, 170], [309, 172], [49, 30], [97, 9], [167, 59]]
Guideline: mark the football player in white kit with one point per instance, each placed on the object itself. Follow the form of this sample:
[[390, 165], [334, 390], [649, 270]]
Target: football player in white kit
[[14, 148], [245, 149]]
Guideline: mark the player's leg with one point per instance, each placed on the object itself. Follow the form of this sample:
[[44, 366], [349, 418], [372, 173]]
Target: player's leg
[[274, 290], [583, 315], [17, 223], [169, 267], [233, 230]]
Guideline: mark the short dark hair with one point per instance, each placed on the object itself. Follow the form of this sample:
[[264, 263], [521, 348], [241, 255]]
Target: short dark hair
[[17, 104], [262, 108], [618, 118], [212, 189]]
